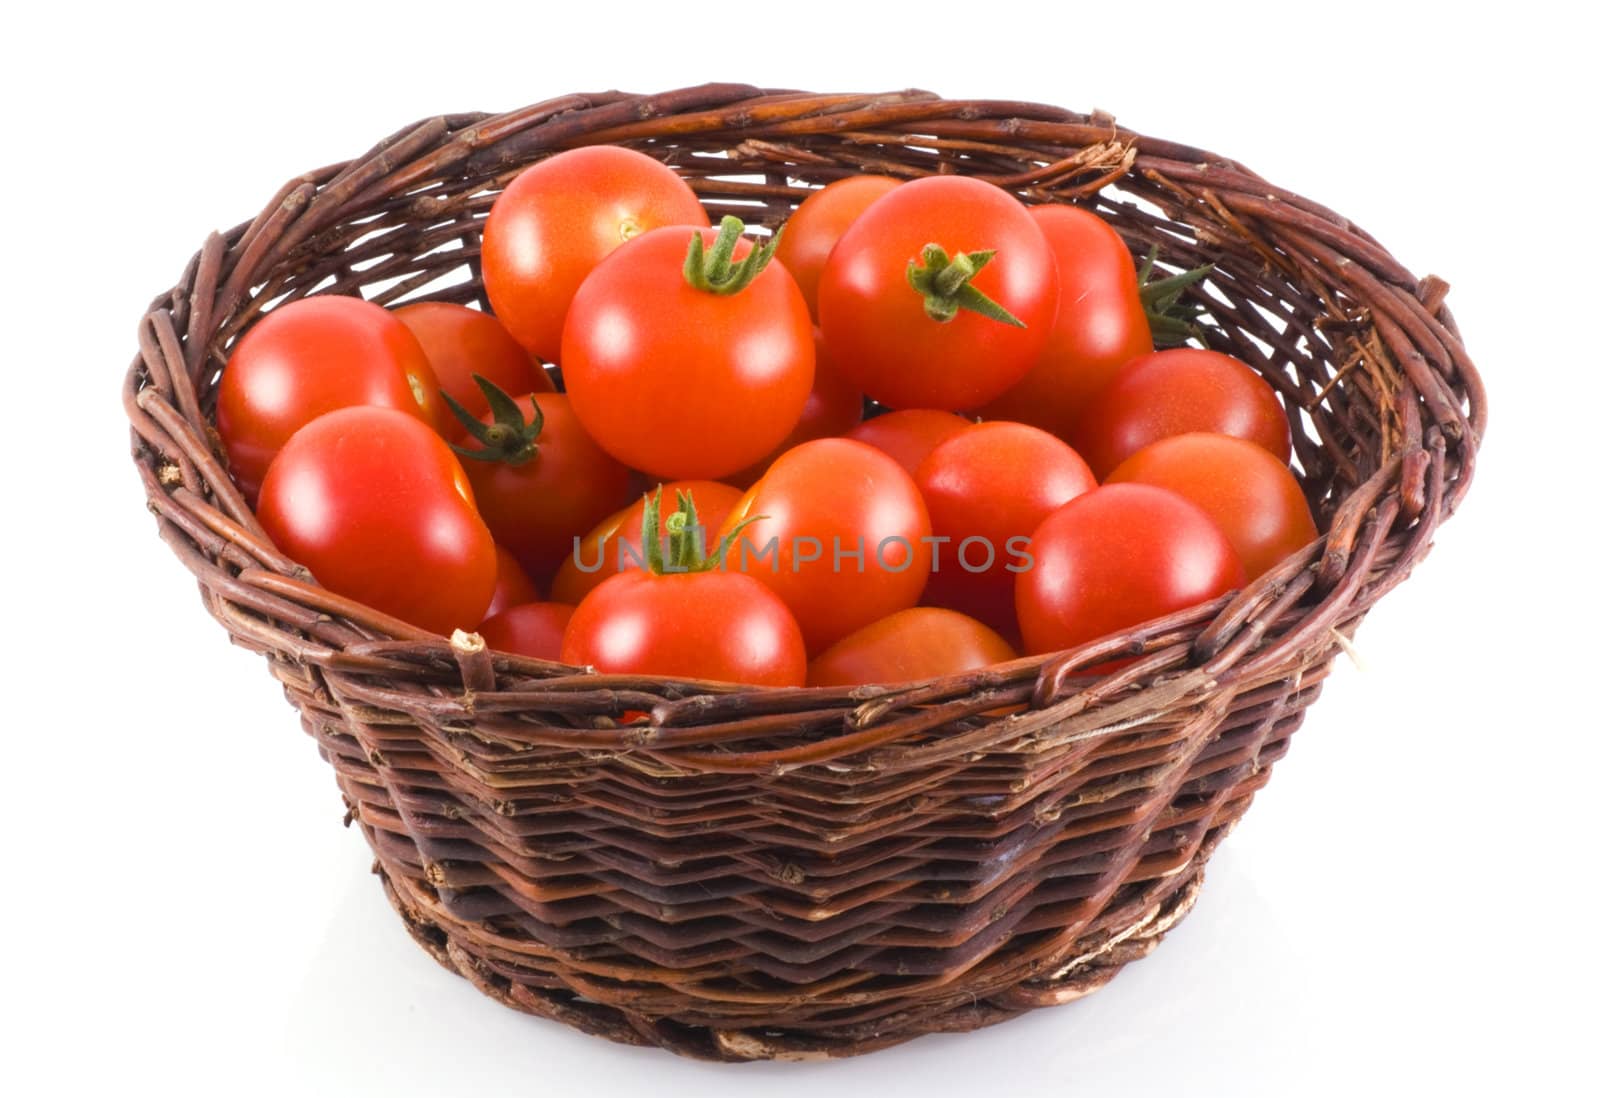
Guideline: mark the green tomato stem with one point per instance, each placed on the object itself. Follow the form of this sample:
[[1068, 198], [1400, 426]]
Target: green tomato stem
[[683, 549], [945, 283], [511, 438], [1173, 321], [715, 272]]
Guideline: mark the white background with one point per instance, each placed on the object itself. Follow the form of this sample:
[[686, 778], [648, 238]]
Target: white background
[[1408, 907]]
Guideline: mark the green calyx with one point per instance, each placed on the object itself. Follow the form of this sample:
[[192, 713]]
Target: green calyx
[[511, 438], [945, 283], [715, 272], [1173, 321], [683, 549]]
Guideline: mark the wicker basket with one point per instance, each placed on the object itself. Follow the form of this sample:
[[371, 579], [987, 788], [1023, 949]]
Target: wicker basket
[[821, 872]]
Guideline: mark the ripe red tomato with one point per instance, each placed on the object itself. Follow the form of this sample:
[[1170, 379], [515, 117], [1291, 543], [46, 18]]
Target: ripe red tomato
[[544, 482], [533, 629], [312, 356], [1174, 392], [909, 435], [834, 407], [512, 587], [842, 540], [557, 220], [1116, 557], [817, 224], [1251, 495], [616, 543], [720, 626], [376, 505], [901, 300], [1099, 325], [461, 342], [988, 487], [683, 381], [701, 623], [924, 642]]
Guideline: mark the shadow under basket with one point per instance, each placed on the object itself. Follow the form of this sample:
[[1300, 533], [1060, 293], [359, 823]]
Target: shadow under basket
[[817, 872]]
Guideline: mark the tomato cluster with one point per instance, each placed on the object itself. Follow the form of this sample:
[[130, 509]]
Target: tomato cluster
[[921, 428]]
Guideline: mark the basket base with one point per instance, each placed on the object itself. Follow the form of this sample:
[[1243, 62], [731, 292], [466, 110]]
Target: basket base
[[653, 971], [1103, 956]]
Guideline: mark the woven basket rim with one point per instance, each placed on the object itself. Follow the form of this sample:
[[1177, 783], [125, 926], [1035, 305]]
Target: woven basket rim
[[1333, 557]]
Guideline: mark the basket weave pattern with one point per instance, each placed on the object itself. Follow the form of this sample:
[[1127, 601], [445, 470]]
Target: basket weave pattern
[[777, 873]]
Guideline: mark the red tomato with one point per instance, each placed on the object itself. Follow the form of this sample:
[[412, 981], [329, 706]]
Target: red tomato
[[701, 622], [312, 356], [908, 436], [834, 407], [1116, 557], [921, 643], [512, 587], [842, 540], [882, 329], [1251, 495], [1100, 323], [461, 342], [679, 380], [557, 220], [545, 484], [533, 629], [987, 488], [1175, 392], [617, 542], [817, 224], [720, 626], [376, 505]]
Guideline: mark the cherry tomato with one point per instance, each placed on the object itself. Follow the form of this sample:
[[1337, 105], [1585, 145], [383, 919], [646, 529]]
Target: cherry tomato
[[908, 303], [702, 623], [720, 626], [688, 380], [924, 642], [540, 479], [512, 587], [533, 629], [557, 220], [834, 407], [617, 542], [910, 435], [987, 488], [817, 224], [312, 356], [1251, 495], [1116, 557], [842, 540], [1172, 393], [376, 505], [1100, 323], [461, 342]]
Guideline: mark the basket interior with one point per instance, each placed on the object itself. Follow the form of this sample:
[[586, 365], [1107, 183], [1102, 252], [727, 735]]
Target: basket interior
[[1315, 345]]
